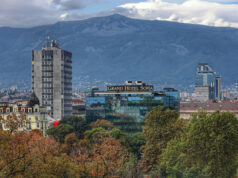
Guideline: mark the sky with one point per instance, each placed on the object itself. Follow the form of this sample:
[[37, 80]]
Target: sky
[[30, 13]]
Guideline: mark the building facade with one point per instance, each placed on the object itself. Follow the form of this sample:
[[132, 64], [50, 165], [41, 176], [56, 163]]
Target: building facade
[[52, 79], [27, 115], [208, 84], [186, 109], [78, 107], [126, 105]]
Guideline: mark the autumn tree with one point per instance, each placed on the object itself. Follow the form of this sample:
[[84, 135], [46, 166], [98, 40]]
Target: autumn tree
[[101, 159], [32, 155], [71, 144], [160, 127], [14, 123], [102, 123]]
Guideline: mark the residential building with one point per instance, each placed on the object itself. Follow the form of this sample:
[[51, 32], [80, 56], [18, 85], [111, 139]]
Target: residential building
[[52, 79], [29, 114]]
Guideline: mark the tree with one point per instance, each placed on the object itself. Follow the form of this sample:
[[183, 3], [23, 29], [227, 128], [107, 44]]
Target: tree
[[102, 123], [14, 122], [130, 168], [136, 142], [70, 145], [32, 155], [208, 148], [60, 132], [79, 125], [212, 143], [101, 159], [95, 134], [160, 127]]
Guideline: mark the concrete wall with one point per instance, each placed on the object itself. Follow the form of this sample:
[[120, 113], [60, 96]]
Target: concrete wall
[[57, 85], [37, 80]]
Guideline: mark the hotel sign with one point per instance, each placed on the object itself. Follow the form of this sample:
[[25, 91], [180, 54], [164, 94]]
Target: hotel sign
[[131, 88]]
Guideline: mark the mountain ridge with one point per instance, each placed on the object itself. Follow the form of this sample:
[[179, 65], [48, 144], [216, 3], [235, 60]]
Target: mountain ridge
[[116, 48]]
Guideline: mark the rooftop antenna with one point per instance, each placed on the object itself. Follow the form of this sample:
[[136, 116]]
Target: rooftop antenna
[[48, 41]]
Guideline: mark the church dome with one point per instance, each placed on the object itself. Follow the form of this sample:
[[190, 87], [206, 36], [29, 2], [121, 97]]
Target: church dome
[[33, 100]]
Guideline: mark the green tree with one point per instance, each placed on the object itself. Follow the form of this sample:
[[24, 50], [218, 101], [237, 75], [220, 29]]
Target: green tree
[[79, 125], [208, 148], [60, 132], [160, 127], [95, 134], [212, 143], [136, 142]]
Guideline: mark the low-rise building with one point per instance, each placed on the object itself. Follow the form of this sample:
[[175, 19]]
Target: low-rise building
[[78, 106], [186, 109], [29, 115]]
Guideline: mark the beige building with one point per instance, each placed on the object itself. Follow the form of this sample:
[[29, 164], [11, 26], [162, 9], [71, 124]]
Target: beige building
[[28, 114], [186, 109]]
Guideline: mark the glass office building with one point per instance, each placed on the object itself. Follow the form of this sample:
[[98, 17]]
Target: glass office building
[[126, 105], [207, 84]]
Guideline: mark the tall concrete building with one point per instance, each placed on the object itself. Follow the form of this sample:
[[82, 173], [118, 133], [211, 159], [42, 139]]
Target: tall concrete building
[[52, 79], [208, 84]]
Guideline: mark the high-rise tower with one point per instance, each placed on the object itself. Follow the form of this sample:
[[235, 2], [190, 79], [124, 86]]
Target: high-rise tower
[[52, 79], [208, 84]]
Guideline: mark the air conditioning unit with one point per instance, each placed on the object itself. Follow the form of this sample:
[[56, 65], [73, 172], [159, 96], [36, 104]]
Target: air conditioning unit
[[128, 82], [139, 82]]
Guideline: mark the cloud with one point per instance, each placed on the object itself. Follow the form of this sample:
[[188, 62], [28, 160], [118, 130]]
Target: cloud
[[21, 13], [76, 4], [190, 11], [70, 4], [27, 13]]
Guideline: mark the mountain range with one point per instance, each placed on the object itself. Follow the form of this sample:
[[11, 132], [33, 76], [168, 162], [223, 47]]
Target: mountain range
[[115, 48]]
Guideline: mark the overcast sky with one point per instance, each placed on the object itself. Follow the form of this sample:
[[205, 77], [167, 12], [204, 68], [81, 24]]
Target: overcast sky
[[28, 13]]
